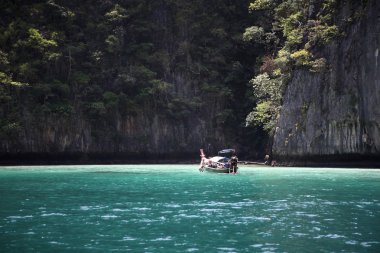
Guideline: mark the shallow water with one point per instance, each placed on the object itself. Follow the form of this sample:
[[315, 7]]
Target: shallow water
[[175, 208]]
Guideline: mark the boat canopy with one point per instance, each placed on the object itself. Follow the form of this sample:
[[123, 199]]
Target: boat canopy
[[226, 152], [216, 159]]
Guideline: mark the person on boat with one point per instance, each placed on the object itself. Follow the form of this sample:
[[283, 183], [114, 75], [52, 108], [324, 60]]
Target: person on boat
[[204, 161], [233, 162], [266, 158]]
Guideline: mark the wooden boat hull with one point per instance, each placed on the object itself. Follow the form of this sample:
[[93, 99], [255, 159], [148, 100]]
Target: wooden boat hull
[[217, 170]]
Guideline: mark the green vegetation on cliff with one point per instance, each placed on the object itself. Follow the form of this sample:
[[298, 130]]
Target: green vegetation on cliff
[[83, 72], [153, 75], [293, 31]]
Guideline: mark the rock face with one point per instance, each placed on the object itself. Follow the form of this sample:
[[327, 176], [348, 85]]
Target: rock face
[[334, 116], [147, 135], [142, 133], [185, 116]]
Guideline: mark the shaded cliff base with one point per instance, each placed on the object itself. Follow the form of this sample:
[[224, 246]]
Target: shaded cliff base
[[64, 158], [341, 160]]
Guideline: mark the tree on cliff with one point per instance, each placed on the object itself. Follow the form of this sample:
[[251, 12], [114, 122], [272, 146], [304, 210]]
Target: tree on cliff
[[293, 31]]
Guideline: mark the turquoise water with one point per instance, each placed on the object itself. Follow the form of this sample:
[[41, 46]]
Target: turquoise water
[[175, 208]]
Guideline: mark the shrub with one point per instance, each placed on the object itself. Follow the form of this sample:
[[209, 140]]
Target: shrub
[[254, 33], [292, 29], [267, 88], [80, 78], [265, 114], [318, 65], [322, 34], [283, 58], [268, 65], [10, 130], [110, 100], [60, 89], [301, 57], [260, 5], [117, 14], [96, 109]]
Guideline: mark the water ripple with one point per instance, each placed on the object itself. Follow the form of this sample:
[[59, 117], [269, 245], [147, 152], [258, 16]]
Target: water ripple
[[332, 236], [369, 244], [20, 217], [167, 238], [53, 214]]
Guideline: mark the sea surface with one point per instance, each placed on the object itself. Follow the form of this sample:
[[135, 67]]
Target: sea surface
[[176, 208]]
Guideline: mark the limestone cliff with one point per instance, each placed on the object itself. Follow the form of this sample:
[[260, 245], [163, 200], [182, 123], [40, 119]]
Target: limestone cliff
[[333, 116], [138, 79]]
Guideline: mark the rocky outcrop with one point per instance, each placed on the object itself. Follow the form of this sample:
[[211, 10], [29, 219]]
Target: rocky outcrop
[[334, 116]]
